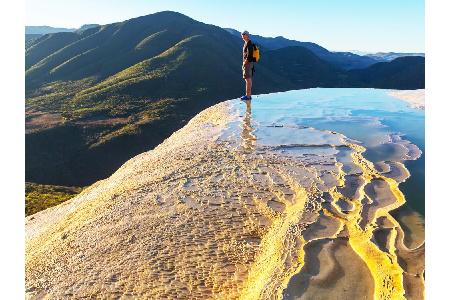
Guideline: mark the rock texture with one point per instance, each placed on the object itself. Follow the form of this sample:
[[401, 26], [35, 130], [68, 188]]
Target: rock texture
[[210, 213]]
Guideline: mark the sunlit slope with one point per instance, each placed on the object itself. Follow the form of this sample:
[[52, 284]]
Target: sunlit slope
[[167, 74], [41, 47]]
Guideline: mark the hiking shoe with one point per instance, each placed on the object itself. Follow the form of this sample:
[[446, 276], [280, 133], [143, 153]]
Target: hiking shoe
[[246, 98]]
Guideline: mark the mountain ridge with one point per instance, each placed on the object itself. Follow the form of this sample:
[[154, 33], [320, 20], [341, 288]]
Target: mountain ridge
[[389, 56], [343, 60], [44, 29], [100, 96]]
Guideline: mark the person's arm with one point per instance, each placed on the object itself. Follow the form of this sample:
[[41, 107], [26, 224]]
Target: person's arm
[[250, 52]]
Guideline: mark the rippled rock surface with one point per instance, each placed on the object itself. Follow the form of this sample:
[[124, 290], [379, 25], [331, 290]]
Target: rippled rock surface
[[293, 195]]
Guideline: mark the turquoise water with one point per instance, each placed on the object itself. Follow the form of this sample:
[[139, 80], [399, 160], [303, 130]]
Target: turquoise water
[[369, 116]]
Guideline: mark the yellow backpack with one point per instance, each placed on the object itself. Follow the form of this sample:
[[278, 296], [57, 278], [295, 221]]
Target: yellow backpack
[[255, 53]]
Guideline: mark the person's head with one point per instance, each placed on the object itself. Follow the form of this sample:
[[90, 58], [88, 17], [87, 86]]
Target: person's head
[[245, 36]]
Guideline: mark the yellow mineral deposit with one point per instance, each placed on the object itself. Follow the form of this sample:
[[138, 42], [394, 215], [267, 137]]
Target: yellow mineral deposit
[[215, 213]]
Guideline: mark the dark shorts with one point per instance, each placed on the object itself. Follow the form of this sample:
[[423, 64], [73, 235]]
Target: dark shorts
[[247, 70]]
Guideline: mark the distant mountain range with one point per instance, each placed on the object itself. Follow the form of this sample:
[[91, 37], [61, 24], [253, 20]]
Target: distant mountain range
[[48, 29], [347, 60], [98, 96], [389, 56], [352, 59], [342, 60], [34, 32], [386, 56]]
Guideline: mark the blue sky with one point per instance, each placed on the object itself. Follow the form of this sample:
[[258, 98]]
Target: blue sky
[[365, 25]]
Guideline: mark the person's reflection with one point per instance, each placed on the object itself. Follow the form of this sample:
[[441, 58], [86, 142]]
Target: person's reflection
[[248, 138]]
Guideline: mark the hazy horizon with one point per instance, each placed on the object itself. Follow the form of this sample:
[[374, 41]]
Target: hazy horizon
[[380, 26]]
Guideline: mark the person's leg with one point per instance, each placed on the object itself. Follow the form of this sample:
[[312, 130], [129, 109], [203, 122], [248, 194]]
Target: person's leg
[[248, 86]]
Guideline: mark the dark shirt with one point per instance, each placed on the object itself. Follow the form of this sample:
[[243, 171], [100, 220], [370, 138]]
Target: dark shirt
[[247, 51]]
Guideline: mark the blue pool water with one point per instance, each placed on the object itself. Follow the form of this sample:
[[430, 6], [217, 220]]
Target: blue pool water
[[370, 116]]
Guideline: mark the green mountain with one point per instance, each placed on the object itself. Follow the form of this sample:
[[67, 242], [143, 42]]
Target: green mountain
[[96, 97], [406, 72], [30, 38], [302, 68], [32, 33]]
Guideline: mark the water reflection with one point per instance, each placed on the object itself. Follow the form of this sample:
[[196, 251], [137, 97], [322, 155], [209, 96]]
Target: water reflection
[[370, 116], [248, 138], [301, 143]]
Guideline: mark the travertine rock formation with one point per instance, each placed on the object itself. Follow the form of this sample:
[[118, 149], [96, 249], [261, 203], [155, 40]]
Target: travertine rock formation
[[212, 213]]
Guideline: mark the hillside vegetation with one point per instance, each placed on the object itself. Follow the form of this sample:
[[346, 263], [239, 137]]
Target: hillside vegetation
[[96, 97], [39, 197], [402, 73]]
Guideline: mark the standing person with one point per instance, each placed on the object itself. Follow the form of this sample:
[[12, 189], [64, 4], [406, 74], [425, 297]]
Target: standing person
[[247, 65]]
